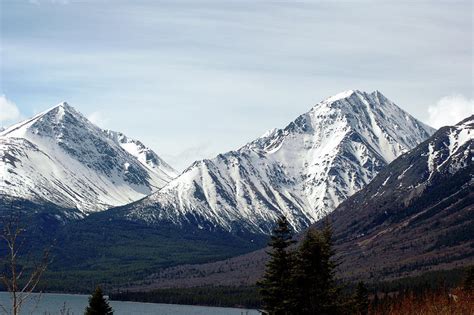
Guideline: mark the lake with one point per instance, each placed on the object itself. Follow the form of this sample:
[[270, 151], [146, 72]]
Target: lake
[[52, 303]]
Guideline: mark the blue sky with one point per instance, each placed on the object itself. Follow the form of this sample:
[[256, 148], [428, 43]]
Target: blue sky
[[195, 78]]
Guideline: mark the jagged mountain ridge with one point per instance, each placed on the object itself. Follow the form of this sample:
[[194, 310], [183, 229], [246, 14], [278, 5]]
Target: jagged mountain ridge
[[302, 171], [415, 216], [60, 157], [143, 153], [445, 157]]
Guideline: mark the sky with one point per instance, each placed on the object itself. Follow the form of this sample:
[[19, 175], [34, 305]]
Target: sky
[[192, 79]]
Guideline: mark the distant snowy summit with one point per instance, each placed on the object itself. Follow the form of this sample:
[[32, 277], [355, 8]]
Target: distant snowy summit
[[419, 206], [144, 154], [60, 157], [302, 171], [449, 151]]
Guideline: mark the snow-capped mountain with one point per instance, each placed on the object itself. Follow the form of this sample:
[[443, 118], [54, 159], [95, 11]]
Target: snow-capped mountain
[[438, 168], [451, 150], [417, 214], [60, 157], [144, 154], [302, 171]]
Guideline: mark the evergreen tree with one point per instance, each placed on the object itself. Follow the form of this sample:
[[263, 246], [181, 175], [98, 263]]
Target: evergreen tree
[[361, 299], [469, 279], [329, 269], [98, 305], [314, 290], [375, 302], [274, 287]]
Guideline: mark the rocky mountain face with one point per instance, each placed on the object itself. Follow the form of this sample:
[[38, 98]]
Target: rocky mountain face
[[302, 171], [145, 155], [58, 162], [415, 216], [60, 157]]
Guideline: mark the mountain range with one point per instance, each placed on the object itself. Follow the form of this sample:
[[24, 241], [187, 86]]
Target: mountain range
[[116, 210], [415, 216], [60, 157], [302, 171]]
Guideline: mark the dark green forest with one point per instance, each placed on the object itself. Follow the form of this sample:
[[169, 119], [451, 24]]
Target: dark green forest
[[303, 280]]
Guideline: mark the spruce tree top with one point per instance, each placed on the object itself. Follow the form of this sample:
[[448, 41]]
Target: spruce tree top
[[98, 305], [282, 235]]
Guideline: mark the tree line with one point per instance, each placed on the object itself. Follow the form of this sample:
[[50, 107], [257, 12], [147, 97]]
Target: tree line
[[302, 280], [20, 277], [299, 279]]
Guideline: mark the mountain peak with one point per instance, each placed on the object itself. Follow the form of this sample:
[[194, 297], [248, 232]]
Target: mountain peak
[[350, 99], [468, 122], [302, 171], [143, 153], [64, 104], [65, 159], [339, 96], [63, 108], [349, 93], [61, 114]]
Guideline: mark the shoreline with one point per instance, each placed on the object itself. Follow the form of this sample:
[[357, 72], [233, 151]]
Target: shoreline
[[139, 302]]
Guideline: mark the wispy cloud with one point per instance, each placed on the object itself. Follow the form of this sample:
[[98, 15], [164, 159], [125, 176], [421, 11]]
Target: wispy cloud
[[188, 155], [172, 73], [450, 110], [99, 119], [9, 112]]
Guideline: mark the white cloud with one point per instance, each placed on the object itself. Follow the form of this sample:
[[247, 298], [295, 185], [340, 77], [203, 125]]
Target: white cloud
[[450, 110], [97, 118], [8, 110], [186, 157]]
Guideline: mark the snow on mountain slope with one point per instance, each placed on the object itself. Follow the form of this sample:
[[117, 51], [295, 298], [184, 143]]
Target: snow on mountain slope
[[420, 208], [407, 213], [454, 153], [59, 156], [145, 155], [449, 151], [302, 171]]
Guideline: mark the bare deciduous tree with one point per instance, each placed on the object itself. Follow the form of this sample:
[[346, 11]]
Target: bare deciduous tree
[[20, 277]]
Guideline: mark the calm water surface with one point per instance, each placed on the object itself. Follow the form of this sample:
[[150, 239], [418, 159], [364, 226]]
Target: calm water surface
[[53, 303]]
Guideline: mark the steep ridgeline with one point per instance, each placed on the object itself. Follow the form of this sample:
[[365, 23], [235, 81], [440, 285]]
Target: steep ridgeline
[[145, 155], [302, 171], [415, 216], [60, 157]]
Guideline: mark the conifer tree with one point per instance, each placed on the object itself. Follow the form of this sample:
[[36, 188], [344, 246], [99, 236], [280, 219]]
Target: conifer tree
[[329, 267], [274, 287], [98, 305], [314, 290], [469, 279], [361, 299]]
